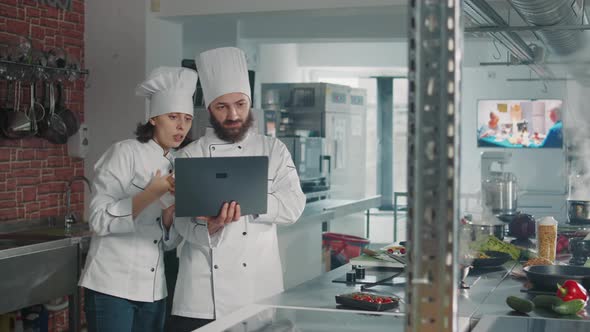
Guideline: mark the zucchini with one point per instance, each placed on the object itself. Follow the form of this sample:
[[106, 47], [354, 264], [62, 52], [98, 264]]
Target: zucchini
[[546, 301], [569, 307], [520, 304]]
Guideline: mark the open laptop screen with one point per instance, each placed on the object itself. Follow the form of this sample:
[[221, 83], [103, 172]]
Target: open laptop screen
[[204, 184]]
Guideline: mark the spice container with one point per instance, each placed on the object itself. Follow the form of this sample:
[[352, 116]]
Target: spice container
[[360, 272], [350, 277], [547, 238]]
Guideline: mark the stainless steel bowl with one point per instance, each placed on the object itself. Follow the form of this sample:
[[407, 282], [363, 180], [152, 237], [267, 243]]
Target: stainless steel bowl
[[578, 212]]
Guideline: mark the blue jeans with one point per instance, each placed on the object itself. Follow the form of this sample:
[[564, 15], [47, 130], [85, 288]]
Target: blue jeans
[[106, 313]]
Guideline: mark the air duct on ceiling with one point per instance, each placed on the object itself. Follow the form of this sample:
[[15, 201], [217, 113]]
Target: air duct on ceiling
[[554, 12], [480, 12]]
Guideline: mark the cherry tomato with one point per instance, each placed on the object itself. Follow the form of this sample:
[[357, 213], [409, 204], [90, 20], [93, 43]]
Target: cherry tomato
[[402, 251], [387, 300]]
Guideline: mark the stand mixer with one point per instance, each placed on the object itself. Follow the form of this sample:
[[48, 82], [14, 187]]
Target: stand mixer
[[498, 186]]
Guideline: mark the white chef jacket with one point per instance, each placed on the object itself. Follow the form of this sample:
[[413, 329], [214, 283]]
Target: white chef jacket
[[126, 255], [239, 264]]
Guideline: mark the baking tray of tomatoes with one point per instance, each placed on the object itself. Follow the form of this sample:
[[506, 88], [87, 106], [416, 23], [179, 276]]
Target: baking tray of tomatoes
[[367, 301]]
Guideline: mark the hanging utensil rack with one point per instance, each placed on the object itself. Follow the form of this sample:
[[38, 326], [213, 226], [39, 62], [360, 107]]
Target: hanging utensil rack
[[10, 70]]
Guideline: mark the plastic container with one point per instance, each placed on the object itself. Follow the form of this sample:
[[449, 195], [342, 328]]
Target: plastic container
[[343, 247], [547, 238], [35, 319], [18, 322]]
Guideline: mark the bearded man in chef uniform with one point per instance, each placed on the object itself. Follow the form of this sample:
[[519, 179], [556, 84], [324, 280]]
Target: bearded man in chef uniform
[[230, 260]]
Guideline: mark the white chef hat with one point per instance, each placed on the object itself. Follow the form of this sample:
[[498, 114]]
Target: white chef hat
[[169, 90], [223, 70]]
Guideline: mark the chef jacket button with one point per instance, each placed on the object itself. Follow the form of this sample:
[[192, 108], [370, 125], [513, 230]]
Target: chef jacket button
[[155, 241], [215, 266], [170, 171], [244, 264], [153, 269], [158, 219], [244, 233], [239, 146], [213, 148]]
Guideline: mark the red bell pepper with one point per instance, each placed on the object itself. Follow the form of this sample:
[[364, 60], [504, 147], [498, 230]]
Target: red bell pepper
[[571, 290]]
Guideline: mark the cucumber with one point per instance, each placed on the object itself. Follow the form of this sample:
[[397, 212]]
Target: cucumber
[[569, 307], [520, 304], [546, 301]]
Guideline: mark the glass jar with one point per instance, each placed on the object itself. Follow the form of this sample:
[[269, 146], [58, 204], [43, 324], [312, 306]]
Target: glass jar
[[547, 238]]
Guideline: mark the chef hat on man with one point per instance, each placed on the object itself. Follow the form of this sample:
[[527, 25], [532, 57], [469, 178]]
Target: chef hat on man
[[169, 90], [223, 70]]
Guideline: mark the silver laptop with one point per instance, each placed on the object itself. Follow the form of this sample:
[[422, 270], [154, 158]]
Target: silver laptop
[[204, 184]]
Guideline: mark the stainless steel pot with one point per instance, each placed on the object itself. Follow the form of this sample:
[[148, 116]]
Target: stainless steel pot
[[499, 193], [578, 212], [480, 231]]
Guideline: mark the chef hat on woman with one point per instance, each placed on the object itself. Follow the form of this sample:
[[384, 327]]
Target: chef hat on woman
[[169, 90], [223, 70]]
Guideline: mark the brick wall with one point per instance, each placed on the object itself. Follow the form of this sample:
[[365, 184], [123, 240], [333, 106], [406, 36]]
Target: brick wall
[[34, 172]]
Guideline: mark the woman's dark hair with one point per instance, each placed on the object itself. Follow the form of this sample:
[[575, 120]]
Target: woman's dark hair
[[145, 132]]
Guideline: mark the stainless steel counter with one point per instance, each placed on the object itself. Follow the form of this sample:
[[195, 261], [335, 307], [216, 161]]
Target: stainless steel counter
[[311, 306], [495, 304], [19, 246], [40, 272], [314, 214], [528, 324], [41, 262], [342, 207], [300, 244], [264, 318], [328, 209], [484, 282], [319, 293], [486, 298]]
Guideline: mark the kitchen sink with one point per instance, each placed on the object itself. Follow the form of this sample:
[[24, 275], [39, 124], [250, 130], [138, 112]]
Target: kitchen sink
[[45, 233], [17, 240], [14, 243], [80, 229], [40, 264]]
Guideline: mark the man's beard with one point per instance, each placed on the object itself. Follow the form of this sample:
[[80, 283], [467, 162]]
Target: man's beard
[[232, 135]]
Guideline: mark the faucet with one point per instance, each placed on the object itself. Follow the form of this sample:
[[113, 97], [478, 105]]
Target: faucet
[[70, 217]]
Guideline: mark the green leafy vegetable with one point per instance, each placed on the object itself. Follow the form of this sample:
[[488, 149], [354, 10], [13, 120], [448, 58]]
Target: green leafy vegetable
[[492, 243]]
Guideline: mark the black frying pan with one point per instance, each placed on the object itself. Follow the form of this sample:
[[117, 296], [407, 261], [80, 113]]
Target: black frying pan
[[496, 259], [546, 277], [69, 118]]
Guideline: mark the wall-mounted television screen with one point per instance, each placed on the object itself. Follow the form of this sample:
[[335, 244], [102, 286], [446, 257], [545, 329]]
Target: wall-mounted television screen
[[520, 123]]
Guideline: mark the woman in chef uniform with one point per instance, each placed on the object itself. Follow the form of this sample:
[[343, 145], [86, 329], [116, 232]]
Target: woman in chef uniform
[[229, 261], [130, 211]]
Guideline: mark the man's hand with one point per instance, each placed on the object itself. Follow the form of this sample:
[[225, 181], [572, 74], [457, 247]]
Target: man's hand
[[230, 212], [168, 216], [213, 228]]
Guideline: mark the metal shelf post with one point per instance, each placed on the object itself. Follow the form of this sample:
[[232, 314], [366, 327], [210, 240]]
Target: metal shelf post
[[433, 168]]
